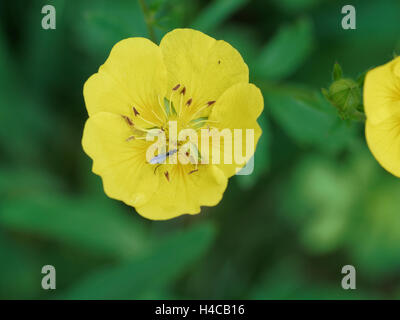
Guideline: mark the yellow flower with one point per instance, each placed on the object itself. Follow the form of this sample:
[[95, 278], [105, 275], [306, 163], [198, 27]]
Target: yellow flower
[[382, 108], [190, 78]]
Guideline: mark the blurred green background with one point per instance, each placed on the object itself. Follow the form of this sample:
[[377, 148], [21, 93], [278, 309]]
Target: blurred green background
[[316, 202]]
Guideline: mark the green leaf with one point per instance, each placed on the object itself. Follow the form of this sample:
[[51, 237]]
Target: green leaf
[[290, 280], [318, 203], [286, 52], [374, 239], [100, 26], [216, 13], [291, 6], [97, 225], [26, 181], [308, 118], [24, 123], [17, 270], [155, 269]]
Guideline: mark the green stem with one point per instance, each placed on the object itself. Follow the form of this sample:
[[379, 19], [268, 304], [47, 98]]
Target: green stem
[[149, 20]]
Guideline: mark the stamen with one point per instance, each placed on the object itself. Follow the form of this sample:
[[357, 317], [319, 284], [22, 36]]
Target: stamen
[[137, 114], [166, 175], [135, 111], [158, 118], [209, 103], [130, 138], [180, 106], [176, 87], [183, 91], [162, 107], [128, 120], [195, 170], [157, 166], [170, 103], [189, 102]]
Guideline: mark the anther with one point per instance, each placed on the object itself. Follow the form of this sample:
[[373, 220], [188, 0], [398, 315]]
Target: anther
[[209, 103], [128, 120], [176, 87], [155, 169], [166, 175], [135, 111], [130, 138], [183, 91], [193, 171], [189, 102]]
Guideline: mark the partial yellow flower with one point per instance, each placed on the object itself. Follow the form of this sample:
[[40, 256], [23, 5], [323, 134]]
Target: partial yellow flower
[[192, 79], [382, 108]]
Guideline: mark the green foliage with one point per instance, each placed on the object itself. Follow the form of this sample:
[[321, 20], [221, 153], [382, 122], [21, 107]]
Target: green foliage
[[294, 6], [216, 13], [261, 157], [144, 275], [307, 118], [286, 51], [70, 221]]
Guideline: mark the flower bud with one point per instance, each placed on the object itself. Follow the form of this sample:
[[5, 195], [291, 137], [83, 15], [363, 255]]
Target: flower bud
[[345, 95]]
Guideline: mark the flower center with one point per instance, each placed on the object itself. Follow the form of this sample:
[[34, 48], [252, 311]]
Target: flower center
[[179, 112]]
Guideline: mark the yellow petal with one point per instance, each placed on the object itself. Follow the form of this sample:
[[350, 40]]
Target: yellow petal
[[184, 193], [384, 142], [202, 65], [121, 164], [238, 108], [134, 75], [382, 92]]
